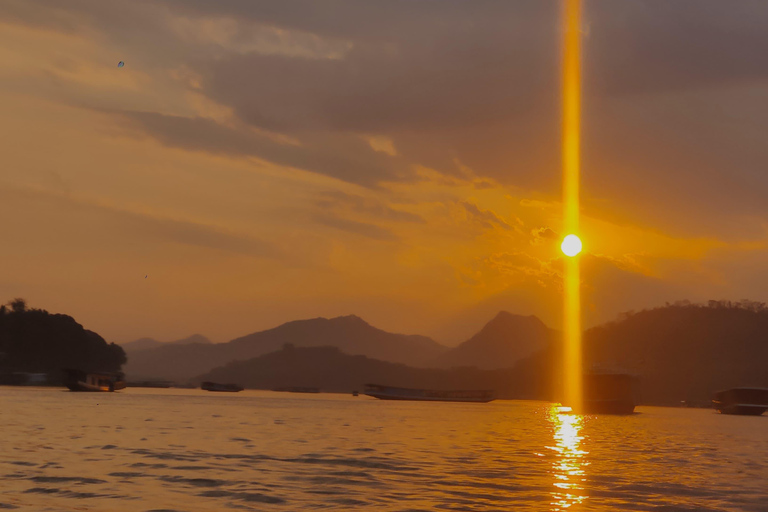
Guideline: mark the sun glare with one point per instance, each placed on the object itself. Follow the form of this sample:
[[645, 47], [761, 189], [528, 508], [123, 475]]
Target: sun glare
[[571, 245]]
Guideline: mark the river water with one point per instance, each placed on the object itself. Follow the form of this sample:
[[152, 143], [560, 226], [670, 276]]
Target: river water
[[191, 450]]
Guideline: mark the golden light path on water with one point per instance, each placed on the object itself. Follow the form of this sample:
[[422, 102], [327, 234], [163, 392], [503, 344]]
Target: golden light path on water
[[571, 160], [569, 463]]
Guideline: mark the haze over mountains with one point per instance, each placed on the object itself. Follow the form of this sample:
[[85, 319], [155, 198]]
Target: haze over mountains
[[147, 343], [678, 352], [349, 333], [330, 369], [502, 342]]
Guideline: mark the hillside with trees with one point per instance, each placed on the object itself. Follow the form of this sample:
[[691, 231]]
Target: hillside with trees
[[685, 351], [36, 341]]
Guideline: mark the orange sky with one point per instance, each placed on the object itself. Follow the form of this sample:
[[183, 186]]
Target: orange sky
[[264, 162]]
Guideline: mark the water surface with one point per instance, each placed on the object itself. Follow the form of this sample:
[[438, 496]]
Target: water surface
[[190, 450]]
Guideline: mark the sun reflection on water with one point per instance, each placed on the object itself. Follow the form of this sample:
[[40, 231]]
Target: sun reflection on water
[[570, 459]]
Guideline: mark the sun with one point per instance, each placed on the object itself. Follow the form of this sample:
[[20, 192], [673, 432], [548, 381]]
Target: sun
[[571, 245]]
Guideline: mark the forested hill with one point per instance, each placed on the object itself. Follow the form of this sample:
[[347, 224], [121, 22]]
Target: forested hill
[[33, 340], [686, 351]]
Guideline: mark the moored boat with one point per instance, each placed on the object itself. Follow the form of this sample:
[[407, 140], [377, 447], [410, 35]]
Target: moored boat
[[742, 401], [428, 395], [608, 393], [79, 380], [297, 389], [151, 384], [214, 386]]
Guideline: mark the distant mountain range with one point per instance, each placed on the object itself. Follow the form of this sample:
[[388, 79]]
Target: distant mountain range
[[349, 333], [500, 344], [678, 352]]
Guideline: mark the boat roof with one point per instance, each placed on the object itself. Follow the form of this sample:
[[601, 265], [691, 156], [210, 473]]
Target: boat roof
[[429, 389], [742, 388]]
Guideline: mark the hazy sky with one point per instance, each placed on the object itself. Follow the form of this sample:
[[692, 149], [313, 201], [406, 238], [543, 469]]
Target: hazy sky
[[264, 161]]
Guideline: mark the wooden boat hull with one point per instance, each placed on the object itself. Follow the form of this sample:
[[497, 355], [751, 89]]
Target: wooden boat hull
[[84, 386], [427, 399], [428, 395], [741, 401], [151, 384], [741, 410], [77, 380], [221, 388], [297, 389]]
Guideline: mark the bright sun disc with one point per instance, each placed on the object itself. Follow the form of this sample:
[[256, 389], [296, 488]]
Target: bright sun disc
[[571, 245]]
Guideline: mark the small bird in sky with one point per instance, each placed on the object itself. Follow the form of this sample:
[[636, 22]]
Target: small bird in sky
[[145, 277], [120, 64]]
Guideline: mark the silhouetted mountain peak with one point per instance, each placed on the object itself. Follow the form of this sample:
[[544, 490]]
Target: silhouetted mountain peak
[[503, 341], [321, 323], [140, 344], [150, 343], [503, 317], [195, 338], [350, 319]]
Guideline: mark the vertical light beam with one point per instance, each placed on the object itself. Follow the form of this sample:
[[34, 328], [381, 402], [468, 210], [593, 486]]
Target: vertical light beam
[[571, 161]]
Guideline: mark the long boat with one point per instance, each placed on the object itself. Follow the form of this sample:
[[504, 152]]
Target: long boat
[[297, 389], [743, 401], [428, 395], [79, 380], [164, 384], [214, 386]]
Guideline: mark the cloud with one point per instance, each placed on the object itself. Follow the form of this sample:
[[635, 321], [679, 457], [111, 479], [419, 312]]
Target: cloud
[[641, 47], [141, 225], [368, 206], [345, 158], [479, 83], [518, 264], [487, 219], [352, 226], [672, 92], [437, 100], [542, 234]]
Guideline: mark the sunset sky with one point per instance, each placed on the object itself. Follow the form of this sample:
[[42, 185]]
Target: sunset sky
[[265, 161]]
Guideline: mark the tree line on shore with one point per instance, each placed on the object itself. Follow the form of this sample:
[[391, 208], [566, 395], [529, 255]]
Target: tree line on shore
[[36, 341]]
